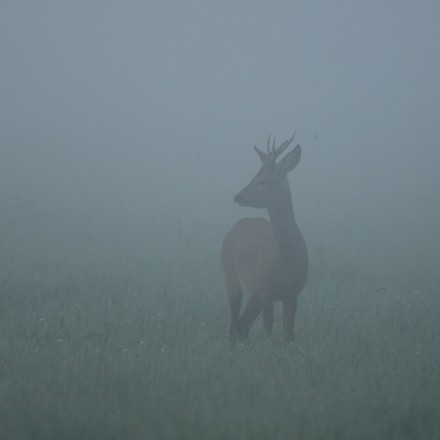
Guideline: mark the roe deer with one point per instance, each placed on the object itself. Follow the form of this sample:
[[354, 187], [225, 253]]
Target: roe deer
[[267, 260]]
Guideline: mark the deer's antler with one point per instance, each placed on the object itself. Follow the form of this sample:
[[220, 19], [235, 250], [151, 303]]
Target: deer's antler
[[273, 152]]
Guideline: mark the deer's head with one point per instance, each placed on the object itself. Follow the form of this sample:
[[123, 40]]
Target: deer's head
[[270, 184]]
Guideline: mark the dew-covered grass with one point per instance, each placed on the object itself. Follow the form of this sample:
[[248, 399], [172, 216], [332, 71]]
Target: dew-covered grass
[[143, 353]]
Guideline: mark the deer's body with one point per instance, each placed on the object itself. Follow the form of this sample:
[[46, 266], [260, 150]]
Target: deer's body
[[266, 259]]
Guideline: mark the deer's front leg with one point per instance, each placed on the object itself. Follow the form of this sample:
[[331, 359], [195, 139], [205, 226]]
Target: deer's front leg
[[289, 310], [268, 316]]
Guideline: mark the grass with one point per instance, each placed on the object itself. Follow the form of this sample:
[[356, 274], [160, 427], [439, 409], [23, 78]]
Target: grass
[[143, 354]]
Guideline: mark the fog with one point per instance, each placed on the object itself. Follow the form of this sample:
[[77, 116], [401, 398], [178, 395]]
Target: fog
[[126, 130], [128, 127]]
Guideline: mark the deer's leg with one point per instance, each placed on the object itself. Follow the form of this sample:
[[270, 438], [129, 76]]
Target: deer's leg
[[289, 310], [268, 316], [249, 315], [235, 296]]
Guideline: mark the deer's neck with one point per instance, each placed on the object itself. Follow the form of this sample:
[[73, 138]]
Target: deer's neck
[[286, 231]]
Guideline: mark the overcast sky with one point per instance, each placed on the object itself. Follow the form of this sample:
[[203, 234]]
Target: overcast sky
[[151, 108]]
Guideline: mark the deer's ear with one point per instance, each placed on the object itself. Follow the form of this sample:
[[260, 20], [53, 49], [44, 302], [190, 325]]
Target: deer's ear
[[290, 160]]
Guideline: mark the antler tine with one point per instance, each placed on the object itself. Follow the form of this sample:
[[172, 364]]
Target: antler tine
[[273, 145], [263, 155], [268, 145]]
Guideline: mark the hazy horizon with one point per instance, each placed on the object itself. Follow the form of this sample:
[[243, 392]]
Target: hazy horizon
[[128, 118]]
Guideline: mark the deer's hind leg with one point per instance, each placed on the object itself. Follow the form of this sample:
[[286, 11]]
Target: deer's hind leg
[[249, 315], [235, 296]]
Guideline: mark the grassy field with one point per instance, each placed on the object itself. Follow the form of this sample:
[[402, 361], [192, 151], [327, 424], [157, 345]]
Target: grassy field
[[107, 352]]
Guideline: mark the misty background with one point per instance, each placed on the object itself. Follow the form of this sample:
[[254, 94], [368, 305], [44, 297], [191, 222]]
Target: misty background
[[127, 128]]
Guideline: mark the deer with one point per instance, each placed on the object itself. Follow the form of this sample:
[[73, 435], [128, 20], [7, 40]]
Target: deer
[[266, 259]]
